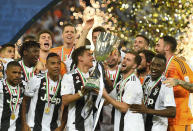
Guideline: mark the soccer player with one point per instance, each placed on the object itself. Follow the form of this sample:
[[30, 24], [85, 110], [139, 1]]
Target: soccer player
[[8, 51], [158, 100], [46, 100], [74, 94], [179, 69], [7, 54], [11, 96], [112, 70], [141, 43], [127, 91], [144, 68], [45, 39], [29, 53], [65, 51]]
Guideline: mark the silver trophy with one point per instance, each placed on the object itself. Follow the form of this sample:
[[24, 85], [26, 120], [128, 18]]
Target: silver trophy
[[106, 43]]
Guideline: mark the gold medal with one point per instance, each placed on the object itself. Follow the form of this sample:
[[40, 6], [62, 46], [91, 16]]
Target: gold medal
[[47, 110], [12, 116]]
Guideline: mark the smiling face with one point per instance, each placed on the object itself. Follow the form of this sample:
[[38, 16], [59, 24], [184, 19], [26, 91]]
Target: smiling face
[[45, 41], [32, 55], [128, 63], [113, 59], [160, 47], [140, 44], [69, 34], [157, 68]]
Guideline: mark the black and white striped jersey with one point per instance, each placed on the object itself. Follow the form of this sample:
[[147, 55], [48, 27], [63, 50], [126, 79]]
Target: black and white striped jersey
[[71, 84], [6, 121], [129, 91], [37, 117]]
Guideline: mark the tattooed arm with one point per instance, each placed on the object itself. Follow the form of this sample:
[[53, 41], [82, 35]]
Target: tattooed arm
[[170, 82]]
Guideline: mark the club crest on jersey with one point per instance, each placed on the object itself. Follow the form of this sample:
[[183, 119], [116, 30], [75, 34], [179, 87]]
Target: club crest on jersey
[[77, 77], [44, 83]]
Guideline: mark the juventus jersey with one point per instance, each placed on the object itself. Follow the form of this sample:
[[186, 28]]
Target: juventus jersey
[[27, 71], [7, 123], [157, 97], [131, 93], [38, 118], [108, 111], [71, 84]]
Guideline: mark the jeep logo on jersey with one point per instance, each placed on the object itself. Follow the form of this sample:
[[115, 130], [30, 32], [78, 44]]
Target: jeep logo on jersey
[[53, 101], [14, 100], [150, 101]]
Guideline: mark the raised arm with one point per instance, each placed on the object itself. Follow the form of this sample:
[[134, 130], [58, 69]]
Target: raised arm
[[83, 35]]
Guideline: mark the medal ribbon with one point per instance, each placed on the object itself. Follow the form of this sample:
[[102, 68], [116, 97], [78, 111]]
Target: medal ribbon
[[82, 77], [150, 89], [66, 56], [167, 65], [122, 86], [116, 77], [13, 107], [48, 89], [27, 74]]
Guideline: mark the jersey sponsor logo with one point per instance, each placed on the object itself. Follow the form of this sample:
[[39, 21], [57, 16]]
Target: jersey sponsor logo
[[150, 101], [77, 77], [55, 101], [14, 100]]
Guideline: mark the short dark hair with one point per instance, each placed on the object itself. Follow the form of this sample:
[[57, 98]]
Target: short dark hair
[[13, 63], [137, 57], [78, 52], [7, 45], [171, 41], [148, 55], [29, 38], [144, 37], [27, 45], [52, 55], [3, 47], [68, 24], [98, 29], [160, 56], [45, 31]]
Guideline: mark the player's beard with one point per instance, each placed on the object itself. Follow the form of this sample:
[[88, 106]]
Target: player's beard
[[113, 65], [126, 70]]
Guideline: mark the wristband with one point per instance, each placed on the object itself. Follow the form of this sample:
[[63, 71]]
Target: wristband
[[80, 93]]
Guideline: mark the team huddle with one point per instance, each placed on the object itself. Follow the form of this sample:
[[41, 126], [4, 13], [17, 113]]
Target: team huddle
[[45, 89]]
